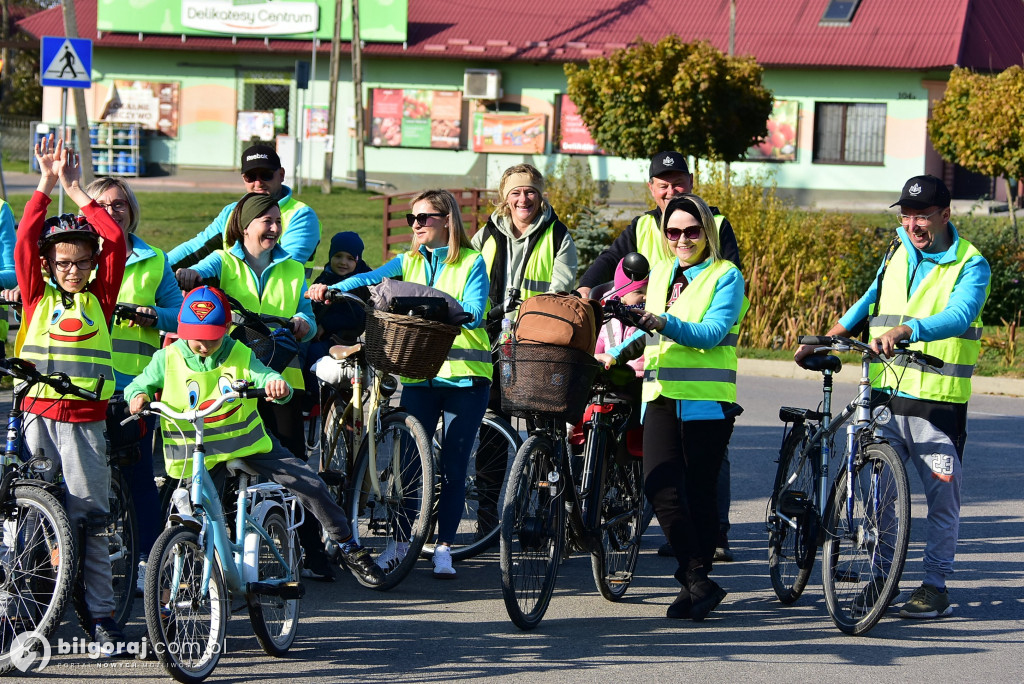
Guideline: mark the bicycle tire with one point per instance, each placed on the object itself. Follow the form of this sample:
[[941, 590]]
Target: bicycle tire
[[532, 532], [851, 550], [791, 552], [335, 459], [402, 512], [188, 635], [484, 485], [621, 520], [123, 542], [37, 555], [275, 620]]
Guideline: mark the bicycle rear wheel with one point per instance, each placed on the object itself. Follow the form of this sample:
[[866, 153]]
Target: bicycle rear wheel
[[532, 532], [37, 561], [622, 510], [275, 620], [494, 450], [792, 547], [395, 522], [335, 457], [187, 630], [866, 544]]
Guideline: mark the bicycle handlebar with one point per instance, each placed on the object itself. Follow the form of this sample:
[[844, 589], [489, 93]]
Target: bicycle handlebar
[[124, 311], [21, 369], [839, 343], [10, 302], [195, 415], [333, 296]]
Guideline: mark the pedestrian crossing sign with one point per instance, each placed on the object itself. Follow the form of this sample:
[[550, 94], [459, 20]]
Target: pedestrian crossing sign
[[66, 62]]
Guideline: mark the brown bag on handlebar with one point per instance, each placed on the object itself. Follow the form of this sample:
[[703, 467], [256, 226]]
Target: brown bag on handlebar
[[561, 319]]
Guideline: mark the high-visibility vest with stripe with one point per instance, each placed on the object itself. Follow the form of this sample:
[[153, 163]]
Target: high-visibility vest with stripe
[[679, 372], [652, 244], [540, 262], [288, 210], [73, 340], [280, 296], [233, 432], [952, 382], [134, 345], [470, 354]]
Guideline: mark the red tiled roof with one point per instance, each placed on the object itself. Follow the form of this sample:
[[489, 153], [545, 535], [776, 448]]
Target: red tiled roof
[[905, 34]]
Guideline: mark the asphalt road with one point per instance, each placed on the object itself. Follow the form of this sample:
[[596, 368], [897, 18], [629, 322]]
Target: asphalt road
[[430, 631]]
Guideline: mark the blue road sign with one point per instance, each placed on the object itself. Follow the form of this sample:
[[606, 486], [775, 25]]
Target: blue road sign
[[66, 62]]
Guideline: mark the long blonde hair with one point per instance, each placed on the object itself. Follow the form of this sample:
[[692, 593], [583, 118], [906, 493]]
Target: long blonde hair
[[685, 202], [444, 202]]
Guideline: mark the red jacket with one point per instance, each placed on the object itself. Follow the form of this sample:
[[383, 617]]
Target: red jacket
[[105, 286]]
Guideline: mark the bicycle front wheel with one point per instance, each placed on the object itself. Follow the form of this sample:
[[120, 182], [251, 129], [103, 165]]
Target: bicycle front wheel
[[866, 538], [493, 453], [275, 620], [335, 459], [187, 628], [37, 559], [394, 521], [793, 544], [532, 531], [622, 507]]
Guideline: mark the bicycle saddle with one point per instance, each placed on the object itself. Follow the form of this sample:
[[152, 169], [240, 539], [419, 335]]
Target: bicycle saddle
[[343, 351], [827, 362], [238, 466]]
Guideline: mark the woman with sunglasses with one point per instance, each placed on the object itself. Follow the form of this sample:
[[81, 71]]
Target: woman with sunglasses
[[689, 392], [441, 257]]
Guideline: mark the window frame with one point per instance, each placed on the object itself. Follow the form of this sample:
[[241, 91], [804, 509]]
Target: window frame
[[842, 161]]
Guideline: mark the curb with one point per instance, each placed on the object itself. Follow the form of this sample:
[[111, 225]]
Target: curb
[[1010, 387]]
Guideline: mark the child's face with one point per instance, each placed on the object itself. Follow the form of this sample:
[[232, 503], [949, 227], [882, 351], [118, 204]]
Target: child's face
[[205, 348], [343, 263], [71, 265], [636, 297]]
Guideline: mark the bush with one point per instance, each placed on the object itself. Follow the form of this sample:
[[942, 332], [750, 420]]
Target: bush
[[575, 197], [994, 239]]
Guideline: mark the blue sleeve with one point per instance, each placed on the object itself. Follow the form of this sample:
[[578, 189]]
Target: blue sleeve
[[215, 228], [476, 293], [301, 237], [391, 269], [168, 300], [964, 305], [210, 266], [305, 312], [718, 319], [8, 279]]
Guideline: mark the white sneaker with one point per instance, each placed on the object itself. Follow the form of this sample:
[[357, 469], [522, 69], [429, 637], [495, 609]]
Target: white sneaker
[[443, 562], [392, 555], [140, 582]]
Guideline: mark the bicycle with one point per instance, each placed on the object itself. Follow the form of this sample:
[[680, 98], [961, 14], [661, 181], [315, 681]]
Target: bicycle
[[596, 504], [861, 519], [383, 486], [194, 564]]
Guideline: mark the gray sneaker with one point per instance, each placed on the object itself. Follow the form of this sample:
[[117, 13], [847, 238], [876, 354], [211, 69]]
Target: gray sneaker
[[927, 602]]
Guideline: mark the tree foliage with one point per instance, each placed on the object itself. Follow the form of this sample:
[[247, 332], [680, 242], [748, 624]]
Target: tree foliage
[[688, 97], [979, 124]]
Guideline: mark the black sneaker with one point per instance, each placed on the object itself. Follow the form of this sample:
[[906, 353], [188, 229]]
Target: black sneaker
[[360, 563], [109, 638], [316, 567]]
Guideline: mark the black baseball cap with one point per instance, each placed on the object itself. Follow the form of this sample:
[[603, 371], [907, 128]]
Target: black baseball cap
[[921, 192], [260, 157], [667, 162]]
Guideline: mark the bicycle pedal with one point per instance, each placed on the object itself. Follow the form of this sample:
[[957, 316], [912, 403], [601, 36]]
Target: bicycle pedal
[[620, 578], [289, 591], [793, 503]]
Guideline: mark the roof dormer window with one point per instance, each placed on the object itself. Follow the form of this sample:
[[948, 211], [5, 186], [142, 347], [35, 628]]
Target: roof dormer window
[[839, 11]]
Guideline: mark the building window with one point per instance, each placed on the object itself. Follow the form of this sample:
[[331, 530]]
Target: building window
[[839, 11], [849, 133]]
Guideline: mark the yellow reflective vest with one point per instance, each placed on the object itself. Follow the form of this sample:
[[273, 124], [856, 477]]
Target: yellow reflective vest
[[540, 261], [233, 432], [134, 345], [288, 209]]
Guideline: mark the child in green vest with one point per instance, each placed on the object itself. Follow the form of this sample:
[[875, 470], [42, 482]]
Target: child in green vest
[[192, 371]]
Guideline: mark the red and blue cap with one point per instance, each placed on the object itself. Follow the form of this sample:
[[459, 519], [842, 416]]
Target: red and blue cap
[[205, 315]]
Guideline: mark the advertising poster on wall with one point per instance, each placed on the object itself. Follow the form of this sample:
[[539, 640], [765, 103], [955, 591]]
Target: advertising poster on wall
[[255, 125], [316, 122], [512, 133], [416, 118], [780, 143], [573, 136], [154, 106]]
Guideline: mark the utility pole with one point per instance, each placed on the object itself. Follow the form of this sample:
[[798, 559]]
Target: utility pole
[[332, 101], [357, 87], [81, 115]]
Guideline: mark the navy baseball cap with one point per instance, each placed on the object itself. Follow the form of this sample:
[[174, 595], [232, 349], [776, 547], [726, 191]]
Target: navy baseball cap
[[205, 315], [667, 162]]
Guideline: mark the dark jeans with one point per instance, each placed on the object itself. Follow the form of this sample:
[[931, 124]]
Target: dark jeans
[[681, 470], [463, 409]]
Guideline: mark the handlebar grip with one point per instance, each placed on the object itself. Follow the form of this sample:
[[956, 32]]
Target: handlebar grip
[[815, 340], [254, 393]]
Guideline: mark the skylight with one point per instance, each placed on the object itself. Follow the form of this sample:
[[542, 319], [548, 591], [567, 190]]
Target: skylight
[[839, 11]]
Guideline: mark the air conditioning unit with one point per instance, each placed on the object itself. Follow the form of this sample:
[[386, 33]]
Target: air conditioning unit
[[481, 84]]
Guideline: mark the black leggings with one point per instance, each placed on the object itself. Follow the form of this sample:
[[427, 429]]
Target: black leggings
[[681, 463]]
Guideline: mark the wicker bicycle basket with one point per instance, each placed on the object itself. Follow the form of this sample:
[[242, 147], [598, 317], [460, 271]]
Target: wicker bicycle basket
[[544, 379], [406, 345]]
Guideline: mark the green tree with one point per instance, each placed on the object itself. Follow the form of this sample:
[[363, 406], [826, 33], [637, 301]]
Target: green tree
[[979, 124], [672, 95]]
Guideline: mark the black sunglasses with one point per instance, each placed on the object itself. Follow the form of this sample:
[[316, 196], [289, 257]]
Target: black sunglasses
[[421, 218], [262, 174], [691, 233]]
